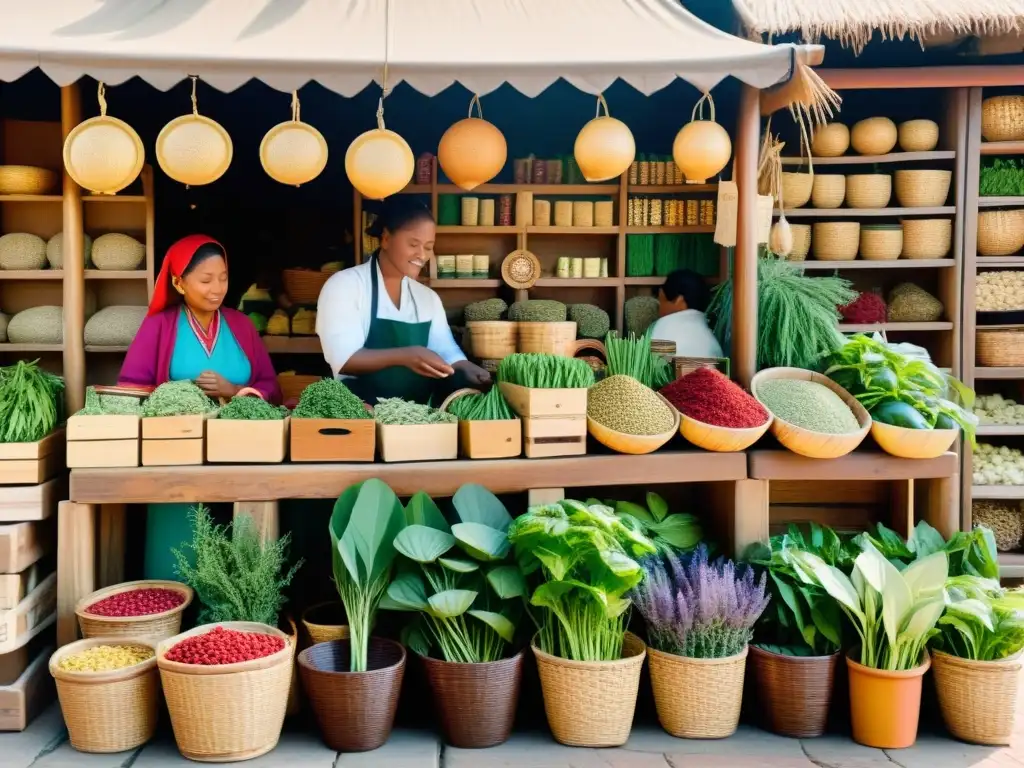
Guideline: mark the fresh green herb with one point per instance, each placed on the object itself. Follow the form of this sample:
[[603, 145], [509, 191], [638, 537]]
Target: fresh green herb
[[237, 575], [633, 357], [395, 410], [31, 402], [330, 399], [537, 311], [1002, 178], [488, 309], [538, 371], [669, 531], [177, 398], [247, 408], [109, 405], [481, 407], [983, 621]]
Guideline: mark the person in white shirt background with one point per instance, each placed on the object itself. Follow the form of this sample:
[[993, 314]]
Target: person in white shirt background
[[682, 301], [385, 333]]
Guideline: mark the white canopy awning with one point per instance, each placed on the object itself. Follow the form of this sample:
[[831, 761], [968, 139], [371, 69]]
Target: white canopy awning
[[341, 43]]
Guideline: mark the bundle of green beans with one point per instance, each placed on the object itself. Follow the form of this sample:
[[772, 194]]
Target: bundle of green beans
[[330, 399], [479, 407], [31, 402], [537, 371], [248, 408], [633, 357], [395, 410], [177, 398], [109, 405]]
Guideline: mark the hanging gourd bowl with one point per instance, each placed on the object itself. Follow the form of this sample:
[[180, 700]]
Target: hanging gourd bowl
[[604, 147], [103, 155], [379, 163], [472, 152], [194, 150], [293, 152], [702, 147]]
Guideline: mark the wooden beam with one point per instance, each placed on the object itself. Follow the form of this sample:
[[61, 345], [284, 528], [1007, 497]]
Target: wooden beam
[[264, 515], [859, 465], [924, 77], [74, 264], [76, 564], [744, 268], [112, 540]]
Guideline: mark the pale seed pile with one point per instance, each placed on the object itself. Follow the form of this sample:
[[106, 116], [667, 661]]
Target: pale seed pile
[[807, 404], [624, 404], [103, 658]]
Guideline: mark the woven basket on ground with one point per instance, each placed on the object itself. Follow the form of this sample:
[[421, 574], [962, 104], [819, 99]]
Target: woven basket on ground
[[292, 384], [324, 622], [1000, 233], [828, 190], [796, 189], [1000, 348], [881, 242], [1002, 118], [835, 240], [26, 180], [303, 286], [155, 627], [111, 711], [874, 136], [922, 188], [978, 699], [794, 692], [801, 242], [591, 703], [697, 698], [868, 190], [830, 140], [918, 135], [927, 238]]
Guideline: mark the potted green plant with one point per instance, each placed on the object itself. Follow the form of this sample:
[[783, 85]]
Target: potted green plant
[[353, 684], [467, 596], [581, 563], [894, 612], [669, 531], [700, 616], [796, 644]]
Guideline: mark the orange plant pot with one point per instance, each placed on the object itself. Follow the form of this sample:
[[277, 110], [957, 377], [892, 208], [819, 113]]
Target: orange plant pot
[[885, 706]]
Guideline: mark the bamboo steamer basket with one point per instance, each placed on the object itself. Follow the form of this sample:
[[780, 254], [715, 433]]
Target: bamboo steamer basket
[[103, 154], [634, 445], [155, 626], [698, 698], [801, 242], [324, 633], [881, 242], [228, 712], [293, 152], [978, 699], [868, 190], [828, 190], [1002, 118], [927, 238], [720, 439], [805, 442], [835, 240], [492, 339], [922, 188], [912, 443], [874, 136], [1000, 233], [112, 711], [1000, 347], [303, 286], [918, 135], [830, 140], [558, 338], [26, 180], [796, 189]]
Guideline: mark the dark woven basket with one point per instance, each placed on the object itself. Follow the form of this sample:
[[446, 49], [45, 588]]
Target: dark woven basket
[[355, 710], [794, 692], [476, 703]]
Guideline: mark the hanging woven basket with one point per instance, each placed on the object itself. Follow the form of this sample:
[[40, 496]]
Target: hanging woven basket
[[293, 152], [702, 147], [103, 154], [520, 269], [604, 147], [193, 149]]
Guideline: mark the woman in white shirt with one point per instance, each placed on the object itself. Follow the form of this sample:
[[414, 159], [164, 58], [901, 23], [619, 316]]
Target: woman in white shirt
[[381, 330], [682, 301]]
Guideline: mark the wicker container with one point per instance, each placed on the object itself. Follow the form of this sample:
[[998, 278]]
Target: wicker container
[[563, 213], [470, 211], [835, 240], [794, 692], [604, 212], [303, 286], [26, 180], [801, 241], [324, 622], [828, 190], [697, 698], [355, 711], [978, 699], [918, 135], [475, 703], [796, 190], [155, 627], [1002, 118], [228, 712], [922, 189], [830, 140], [874, 136], [292, 384], [591, 703], [881, 242], [582, 214], [524, 209], [1000, 233], [557, 338], [112, 711], [1000, 348], [492, 339], [542, 213], [927, 238], [868, 190]]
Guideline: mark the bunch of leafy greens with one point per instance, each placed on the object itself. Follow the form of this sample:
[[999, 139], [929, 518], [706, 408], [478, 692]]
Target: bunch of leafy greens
[[969, 554], [983, 621], [366, 519], [237, 575], [633, 357], [177, 398], [669, 531], [880, 375], [458, 578], [1002, 177], [31, 402], [583, 562]]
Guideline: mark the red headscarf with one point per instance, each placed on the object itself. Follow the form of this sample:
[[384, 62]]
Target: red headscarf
[[178, 257]]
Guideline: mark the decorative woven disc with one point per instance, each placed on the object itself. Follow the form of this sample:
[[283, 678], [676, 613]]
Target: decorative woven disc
[[520, 269]]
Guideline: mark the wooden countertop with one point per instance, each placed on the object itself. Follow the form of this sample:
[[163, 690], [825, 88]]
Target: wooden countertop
[[266, 482], [859, 465]]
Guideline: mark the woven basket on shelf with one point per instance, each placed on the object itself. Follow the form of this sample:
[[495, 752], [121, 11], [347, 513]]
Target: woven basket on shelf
[[470, 211], [1000, 348], [292, 384], [1002, 118], [542, 213], [918, 135], [868, 190], [155, 627], [492, 339], [927, 238], [582, 213], [796, 189], [922, 188], [828, 190], [111, 711], [1000, 233], [697, 698], [830, 140], [324, 622], [801, 242], [303, 286], [604, 212], [881, 242], [978, 699], [26, 180], [874, 136], [835, 240], [563, 213]]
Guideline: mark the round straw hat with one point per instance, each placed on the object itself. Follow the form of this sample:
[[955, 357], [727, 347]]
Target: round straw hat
[[193, 149], [293, 152], [103, 154]]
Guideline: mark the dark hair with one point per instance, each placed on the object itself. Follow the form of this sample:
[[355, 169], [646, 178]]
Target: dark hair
[[398, 213], [691, 286], [203, 252]]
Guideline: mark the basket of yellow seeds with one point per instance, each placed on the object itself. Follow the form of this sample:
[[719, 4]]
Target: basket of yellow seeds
[[109, 692]]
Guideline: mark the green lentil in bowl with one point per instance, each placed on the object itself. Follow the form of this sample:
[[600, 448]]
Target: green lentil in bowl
[[808, 405]]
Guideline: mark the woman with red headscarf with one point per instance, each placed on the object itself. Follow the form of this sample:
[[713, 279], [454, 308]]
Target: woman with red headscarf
[[188, 336]]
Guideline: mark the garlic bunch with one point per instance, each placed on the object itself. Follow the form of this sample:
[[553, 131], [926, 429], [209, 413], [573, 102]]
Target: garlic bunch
[[999, 291], [995, 409], [997, 465]]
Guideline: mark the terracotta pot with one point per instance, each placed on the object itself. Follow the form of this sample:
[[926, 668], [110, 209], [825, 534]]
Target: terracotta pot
[[978, 699], [794, 692], [698, 698], [476, 703], [354, 710], [885, 706]]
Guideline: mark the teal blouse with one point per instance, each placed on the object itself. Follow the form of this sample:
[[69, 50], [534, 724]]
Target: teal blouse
[[189, 358]]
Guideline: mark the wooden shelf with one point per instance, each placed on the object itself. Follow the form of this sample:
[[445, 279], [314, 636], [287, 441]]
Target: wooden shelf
[[892, 157], [648, 230], [654, 280], [999, 261], [460, 230], [102, 348], [572, 230], [536, 189], [31, 274], [465, 282], [863, 464], [671, 189], [880, 327], [1002, 147], [578, 282], [115, 274], [295, 345], [31, 199], [114, 199], [1000, 430], [10, 347], [994, 374], [998, 202], [856, 213], [1009, 492], [1011, 565], [868, 264]]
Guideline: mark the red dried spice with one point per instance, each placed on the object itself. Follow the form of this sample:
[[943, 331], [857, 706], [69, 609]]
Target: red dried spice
[[137, 602], [224, 646], [707, 396], [867, 308]]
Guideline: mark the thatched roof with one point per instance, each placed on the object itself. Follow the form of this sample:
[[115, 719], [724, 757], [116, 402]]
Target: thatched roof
[[853, 22]]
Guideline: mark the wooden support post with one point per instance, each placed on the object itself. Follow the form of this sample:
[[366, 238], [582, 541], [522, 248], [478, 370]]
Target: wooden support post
[[901, 507], [74, 264], [750, 514], [942, 504], [264, 514], [536, 496], [113, 531], [76, 564], [744, 265]]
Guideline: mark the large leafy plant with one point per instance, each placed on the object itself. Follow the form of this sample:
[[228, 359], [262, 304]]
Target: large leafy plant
[[582, 562], [982, 622], [970, 554], [458, 578], [670, 531], [366, 519]]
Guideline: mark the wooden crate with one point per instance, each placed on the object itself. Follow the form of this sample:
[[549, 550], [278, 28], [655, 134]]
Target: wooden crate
[[172, 453], [29, 695], [548, 436], [19, 503], [103, 441], [22, 544], [32, 463], [545, 402], [14, 586], [418, 442], [14, 663], [174, 427], [30, 617], [491, 439], [333, 439], [241, 441]]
